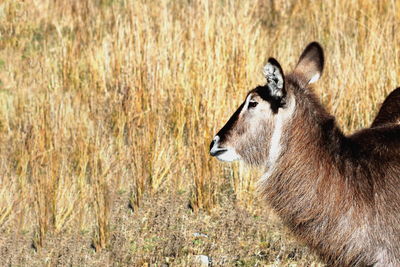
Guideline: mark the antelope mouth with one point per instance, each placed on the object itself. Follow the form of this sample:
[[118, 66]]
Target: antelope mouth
[[216, 153], [222, 153]]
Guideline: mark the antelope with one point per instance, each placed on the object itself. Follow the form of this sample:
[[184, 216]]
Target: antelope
[[339, 194]]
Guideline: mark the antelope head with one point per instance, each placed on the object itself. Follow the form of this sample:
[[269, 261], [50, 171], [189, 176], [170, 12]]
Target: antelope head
[[256, 132]]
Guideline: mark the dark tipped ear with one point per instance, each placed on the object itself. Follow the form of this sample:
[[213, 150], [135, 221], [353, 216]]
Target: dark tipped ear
[[390, 110], [310, 65], [275, 78]]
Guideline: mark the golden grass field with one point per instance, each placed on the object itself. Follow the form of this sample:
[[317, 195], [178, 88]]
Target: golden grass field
[[107, 108]]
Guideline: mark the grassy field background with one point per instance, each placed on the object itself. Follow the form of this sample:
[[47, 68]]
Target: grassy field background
[[107, 108]]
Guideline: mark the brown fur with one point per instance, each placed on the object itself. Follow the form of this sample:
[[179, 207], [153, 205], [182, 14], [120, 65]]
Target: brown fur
[[390, 110], [339, 194]]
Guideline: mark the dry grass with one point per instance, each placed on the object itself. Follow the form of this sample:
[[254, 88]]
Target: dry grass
[[105, 104]]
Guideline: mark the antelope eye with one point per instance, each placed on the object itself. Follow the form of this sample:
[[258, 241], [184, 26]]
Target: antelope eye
[[252, 104]]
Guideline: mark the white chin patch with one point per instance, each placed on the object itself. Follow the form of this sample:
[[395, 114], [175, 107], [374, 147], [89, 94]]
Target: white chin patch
[[229, 155]]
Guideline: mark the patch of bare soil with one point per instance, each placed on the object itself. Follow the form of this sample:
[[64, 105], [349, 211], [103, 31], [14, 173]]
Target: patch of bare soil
[[166, 232]]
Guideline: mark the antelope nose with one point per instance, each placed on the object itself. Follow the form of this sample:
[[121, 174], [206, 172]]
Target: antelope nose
[[212, 144], [214, 149]]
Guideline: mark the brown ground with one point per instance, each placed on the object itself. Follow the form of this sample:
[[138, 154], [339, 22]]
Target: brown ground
[[163, 232]]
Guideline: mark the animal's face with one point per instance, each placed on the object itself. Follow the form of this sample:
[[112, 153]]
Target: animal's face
[[254, 132], [248, 132]]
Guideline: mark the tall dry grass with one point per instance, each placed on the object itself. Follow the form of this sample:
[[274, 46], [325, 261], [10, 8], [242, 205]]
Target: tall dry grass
[[107, 97]]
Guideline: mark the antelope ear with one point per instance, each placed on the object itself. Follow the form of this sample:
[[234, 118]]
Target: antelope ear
[[311, 63], [275, 78]]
